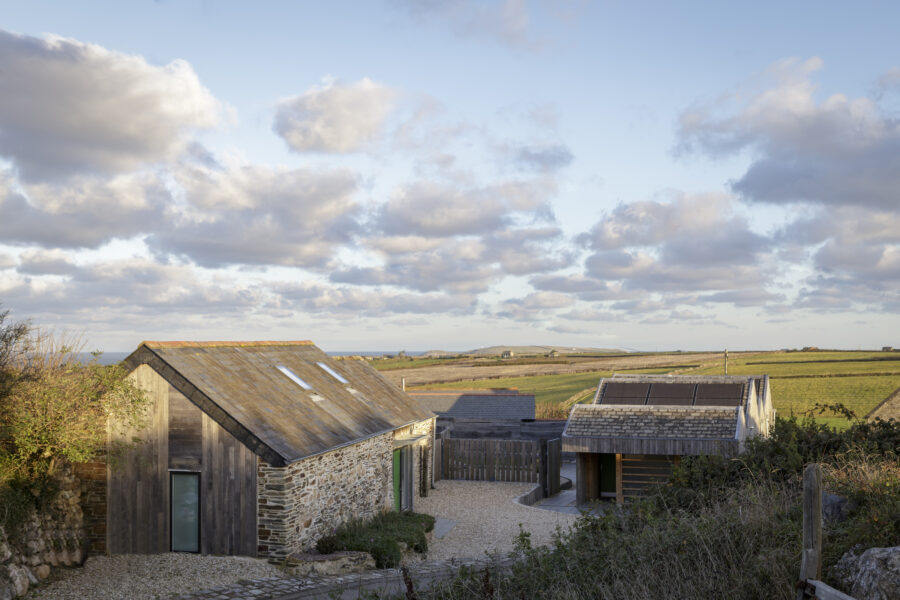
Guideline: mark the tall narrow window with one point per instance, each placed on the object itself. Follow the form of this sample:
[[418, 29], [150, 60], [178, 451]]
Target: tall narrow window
[[185, 507]]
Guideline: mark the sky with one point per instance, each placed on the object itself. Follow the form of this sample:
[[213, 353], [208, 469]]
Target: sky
[[418, 174]]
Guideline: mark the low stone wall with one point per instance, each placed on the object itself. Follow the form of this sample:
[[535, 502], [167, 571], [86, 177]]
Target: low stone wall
[[337, 563], [52, 538]]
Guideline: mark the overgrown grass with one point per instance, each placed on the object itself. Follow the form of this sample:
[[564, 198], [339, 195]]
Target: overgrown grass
[[381, 536], [723, 528]]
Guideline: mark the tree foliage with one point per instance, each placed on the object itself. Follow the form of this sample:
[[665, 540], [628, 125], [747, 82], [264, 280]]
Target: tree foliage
[[54, 407]]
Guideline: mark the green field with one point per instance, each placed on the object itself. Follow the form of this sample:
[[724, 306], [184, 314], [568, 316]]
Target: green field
[[548, 390], [800, 380]]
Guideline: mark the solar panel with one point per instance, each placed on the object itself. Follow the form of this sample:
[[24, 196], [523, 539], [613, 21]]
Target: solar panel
[[624, 393], [672, 394], [719, 394]]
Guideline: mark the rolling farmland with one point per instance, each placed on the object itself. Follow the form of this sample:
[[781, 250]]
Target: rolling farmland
[[800, 380]]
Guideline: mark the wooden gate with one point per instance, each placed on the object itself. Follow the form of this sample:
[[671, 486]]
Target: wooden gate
[[491, 460], [529, 461]]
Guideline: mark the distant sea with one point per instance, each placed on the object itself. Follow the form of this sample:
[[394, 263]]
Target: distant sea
[[108, 358]]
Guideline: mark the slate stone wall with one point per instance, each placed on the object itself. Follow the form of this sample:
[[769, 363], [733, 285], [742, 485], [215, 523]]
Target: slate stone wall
[[300, 503], [48, 539]]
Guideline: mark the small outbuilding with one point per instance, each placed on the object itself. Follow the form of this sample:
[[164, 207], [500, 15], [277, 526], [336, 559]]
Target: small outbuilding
[[637, 428], [260, 448], [491, 405]]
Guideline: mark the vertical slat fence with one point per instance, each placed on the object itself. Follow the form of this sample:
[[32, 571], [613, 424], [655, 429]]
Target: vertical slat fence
[[491, 460]]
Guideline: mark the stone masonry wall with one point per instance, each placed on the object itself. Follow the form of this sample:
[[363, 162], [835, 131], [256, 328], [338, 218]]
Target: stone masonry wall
[[54, 537], [303, 501], [92, 479]]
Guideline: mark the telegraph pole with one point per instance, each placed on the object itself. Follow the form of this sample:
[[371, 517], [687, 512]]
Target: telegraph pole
[[726, 361]]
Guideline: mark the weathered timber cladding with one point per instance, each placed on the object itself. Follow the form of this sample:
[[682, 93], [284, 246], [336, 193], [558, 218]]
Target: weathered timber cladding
[[185, 432], [138, 480], [587, 476], [642, 473], [650, 446], [492, 460], [228, 493], [554, 462], [137, 502]]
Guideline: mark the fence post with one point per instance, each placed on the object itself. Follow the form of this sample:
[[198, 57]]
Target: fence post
[[811, 558], [542, 466]]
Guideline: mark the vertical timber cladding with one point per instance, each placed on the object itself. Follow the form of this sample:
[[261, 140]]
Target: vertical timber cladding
[[642, 472], [180, 437], [137, 499]]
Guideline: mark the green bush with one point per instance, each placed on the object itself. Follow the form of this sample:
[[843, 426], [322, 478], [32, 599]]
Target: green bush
[[54, 409], [381, 536], [722, 528]]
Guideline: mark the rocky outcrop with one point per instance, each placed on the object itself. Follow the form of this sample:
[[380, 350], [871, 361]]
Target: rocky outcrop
[[48, 539], [872, 575]]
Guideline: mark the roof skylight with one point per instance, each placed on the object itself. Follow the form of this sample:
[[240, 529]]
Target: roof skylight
[[293, 377], [332, 372]]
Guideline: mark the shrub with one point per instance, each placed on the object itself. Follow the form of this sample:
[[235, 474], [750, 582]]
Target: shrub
[[54, 409], [722, 528], [381, 536]]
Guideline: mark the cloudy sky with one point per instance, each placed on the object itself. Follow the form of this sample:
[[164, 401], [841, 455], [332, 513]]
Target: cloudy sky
[[449, 174]]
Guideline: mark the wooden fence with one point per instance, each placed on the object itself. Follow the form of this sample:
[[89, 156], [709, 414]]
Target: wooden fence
[[529, 461], [809, 587]]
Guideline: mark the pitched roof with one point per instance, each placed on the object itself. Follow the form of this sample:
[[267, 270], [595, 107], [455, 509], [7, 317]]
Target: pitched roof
[[477, 405], [653, 422], [656, 414], [241, 386]]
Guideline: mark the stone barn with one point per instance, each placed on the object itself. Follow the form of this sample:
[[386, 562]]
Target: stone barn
[[637, 428], [260, 448]]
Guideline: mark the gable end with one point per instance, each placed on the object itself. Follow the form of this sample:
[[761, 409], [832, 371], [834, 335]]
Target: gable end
[[145, 356]]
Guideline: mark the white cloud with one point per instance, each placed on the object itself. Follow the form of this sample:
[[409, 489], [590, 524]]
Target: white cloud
[[441, 210], [85, 212], [70, 107], [255, 215], [836, 151], [335, 117]]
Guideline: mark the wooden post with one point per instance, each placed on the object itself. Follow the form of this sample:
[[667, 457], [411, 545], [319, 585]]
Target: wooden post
[[726, 361], [811, 559], [620, 494]]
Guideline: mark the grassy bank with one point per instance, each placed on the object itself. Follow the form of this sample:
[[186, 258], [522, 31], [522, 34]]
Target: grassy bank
[[721, 529]]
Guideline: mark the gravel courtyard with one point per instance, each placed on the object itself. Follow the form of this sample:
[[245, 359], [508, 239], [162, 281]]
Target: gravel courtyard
[[148, 576], [486, 515], [487, 518]]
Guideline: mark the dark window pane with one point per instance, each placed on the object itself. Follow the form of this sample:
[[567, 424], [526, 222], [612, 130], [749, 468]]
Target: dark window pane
[[185, 512]]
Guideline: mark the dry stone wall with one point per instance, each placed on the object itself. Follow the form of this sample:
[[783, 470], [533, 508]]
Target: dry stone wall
[[54, 537], [300, 503]]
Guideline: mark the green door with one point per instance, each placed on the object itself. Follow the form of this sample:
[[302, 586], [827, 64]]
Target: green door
[[397, 486]]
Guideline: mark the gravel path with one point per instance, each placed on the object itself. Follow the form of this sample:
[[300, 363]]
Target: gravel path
[[148, 576], [487, 518]]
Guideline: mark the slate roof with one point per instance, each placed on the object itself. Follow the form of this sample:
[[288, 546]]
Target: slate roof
[[239, 385], [477, 405], [659, 414], [653, 422]]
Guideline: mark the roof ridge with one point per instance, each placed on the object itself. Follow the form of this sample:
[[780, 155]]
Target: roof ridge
[[213, 344]]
